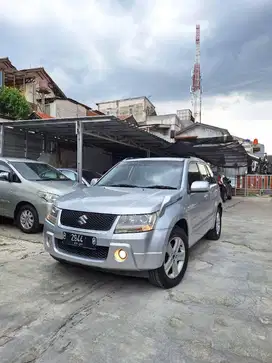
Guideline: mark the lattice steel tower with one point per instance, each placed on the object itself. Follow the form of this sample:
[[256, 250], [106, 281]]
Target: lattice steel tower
[[196, 88]]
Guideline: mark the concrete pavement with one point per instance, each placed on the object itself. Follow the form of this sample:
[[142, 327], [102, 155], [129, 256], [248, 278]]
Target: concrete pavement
[[221, 312]]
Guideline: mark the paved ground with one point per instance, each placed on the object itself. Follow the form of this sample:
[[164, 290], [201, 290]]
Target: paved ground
[[220, 313]]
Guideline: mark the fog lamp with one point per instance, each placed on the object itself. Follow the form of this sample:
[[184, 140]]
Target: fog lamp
[[48, 240], [120, 255]]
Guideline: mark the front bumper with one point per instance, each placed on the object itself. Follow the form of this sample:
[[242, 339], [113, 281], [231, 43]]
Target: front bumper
[[145, 251], [43, 208]]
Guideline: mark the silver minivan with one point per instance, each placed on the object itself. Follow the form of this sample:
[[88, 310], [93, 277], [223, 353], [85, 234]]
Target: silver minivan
[[142, 215], [28, 190]]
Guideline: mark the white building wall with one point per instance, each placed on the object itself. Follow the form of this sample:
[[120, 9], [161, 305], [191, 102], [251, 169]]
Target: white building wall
[[202, 131], [66, 108], [140, 108]]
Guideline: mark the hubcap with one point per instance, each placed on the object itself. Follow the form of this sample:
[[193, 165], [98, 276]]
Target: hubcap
[[174, 257], [218, 223], [27, 219]]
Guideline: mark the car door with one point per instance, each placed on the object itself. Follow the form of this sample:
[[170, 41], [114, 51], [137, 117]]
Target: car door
[[215, 191], [197, 203], [209, 196], [6, 192]]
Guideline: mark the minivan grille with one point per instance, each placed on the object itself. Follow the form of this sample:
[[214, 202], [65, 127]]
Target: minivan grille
[[87, 220]]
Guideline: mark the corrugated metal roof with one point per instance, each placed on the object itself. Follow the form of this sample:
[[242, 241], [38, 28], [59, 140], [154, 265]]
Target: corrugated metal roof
[[106, 132]]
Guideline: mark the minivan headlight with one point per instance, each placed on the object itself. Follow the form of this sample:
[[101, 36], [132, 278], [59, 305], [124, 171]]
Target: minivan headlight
[[136, 223], [52, 216], [48, 197]]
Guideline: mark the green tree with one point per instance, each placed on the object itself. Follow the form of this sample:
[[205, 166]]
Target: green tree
[[13, 103]]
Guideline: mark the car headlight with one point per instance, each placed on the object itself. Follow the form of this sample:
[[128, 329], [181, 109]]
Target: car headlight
[[53, 215], [48, 197], [136, 223]]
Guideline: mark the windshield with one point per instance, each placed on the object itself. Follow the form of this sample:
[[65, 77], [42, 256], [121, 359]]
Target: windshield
[[38, 171], [159, 174]]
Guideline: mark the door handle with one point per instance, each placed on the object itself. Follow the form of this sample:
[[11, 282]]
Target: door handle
[[206, 196]]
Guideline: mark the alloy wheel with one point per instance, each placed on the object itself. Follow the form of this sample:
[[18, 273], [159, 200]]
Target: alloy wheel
[[27, 219], [174, 257]]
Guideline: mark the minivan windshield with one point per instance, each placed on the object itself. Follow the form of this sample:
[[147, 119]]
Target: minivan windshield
[[38, 171], [153, 174]]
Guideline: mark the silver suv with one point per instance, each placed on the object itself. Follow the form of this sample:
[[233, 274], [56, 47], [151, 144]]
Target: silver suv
[[143, 214]]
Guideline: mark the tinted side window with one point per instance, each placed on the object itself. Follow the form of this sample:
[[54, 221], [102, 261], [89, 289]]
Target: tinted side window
[[193, 174]]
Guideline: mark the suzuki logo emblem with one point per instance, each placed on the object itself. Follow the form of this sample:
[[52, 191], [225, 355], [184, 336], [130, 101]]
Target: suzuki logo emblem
[[82, 219], [94, 241]]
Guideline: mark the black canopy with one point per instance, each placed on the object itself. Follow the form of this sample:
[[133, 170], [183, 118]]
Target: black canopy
[[219, 151]]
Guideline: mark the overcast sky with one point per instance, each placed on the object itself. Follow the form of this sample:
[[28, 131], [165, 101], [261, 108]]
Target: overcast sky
[[107, 49]]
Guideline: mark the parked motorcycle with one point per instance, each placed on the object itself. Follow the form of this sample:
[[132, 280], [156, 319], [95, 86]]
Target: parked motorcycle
[[225, 187]]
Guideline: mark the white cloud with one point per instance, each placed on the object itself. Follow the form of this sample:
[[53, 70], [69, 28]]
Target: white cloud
[[88, 22], [137, 39]]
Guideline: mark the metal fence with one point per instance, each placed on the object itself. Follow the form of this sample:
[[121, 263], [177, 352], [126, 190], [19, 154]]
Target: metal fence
[[253, 184]]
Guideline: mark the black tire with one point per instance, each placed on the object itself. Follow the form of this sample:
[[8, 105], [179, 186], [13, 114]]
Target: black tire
[[213, 234], [159, 277], [36, 227], [60, 260], [230, 194], [224, 196]]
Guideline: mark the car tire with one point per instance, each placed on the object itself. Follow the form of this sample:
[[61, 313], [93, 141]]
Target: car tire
[[60, 260], [230, 195], [224, 196], [160, 277], [215, 233], [27, 219]]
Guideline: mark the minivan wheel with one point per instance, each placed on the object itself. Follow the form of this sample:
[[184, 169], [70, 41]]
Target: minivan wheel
[[215, 233], [27, 219], [175, 262]]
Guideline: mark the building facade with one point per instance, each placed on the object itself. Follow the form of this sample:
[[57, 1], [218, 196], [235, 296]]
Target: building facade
[[139, 107], [165, 126], [40, 90]]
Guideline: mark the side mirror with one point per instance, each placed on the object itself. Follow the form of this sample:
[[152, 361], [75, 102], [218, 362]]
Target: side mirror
[[200, 186], [5, 176], [94, 181]]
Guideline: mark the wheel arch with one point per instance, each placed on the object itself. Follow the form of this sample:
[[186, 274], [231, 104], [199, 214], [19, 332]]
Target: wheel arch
[[20, 205], [182, 223]]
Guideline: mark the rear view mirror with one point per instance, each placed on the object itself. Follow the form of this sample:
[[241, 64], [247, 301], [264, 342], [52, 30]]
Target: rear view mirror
[[200, 186], [5, 175], [94, 181]]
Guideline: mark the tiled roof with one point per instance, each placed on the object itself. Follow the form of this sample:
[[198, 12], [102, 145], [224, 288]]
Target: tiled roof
[[42, 115]]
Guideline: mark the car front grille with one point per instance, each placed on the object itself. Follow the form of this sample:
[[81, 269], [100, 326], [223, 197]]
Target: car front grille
[[87, 220], [99, 253]]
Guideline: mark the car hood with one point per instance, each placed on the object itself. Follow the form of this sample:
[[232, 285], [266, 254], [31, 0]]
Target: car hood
[[58, 187], [116, 200]]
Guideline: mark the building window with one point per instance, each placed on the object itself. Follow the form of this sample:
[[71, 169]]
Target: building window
[[47, 109]]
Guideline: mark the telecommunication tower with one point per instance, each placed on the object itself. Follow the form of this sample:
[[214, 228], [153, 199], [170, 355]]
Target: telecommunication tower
[[196, 88]]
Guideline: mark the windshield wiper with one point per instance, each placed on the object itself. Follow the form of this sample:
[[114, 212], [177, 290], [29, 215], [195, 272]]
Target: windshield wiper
[[159, 187], [51, 179], [121, 185]]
